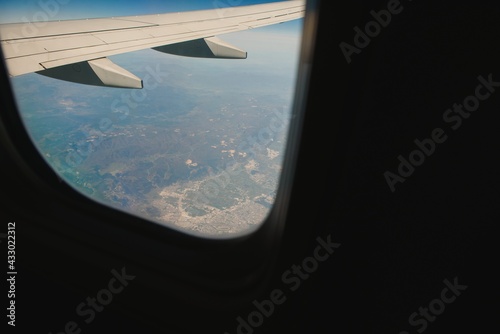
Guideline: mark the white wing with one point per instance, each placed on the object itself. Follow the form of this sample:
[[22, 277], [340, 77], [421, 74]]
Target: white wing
[[76, 50]]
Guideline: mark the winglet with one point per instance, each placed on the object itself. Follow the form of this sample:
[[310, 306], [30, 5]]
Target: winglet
[[96, 72]]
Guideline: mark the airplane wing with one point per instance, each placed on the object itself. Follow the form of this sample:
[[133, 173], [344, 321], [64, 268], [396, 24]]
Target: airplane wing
[[77, 50]]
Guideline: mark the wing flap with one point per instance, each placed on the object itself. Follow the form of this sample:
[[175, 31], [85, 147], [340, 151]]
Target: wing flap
[[255, 22], [119, 37]]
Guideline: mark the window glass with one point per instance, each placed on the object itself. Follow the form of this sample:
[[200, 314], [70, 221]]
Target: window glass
[[199, 148]]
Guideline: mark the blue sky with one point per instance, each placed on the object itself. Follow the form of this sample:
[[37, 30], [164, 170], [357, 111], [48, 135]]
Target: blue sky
[[39, 10]]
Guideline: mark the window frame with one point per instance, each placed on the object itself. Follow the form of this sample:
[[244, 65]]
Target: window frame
[[179, 264]]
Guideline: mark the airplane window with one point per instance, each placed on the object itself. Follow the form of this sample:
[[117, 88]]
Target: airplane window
[[176, 133]]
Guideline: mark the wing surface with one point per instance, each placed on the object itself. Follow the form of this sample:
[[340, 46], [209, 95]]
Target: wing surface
[[55, 45]]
